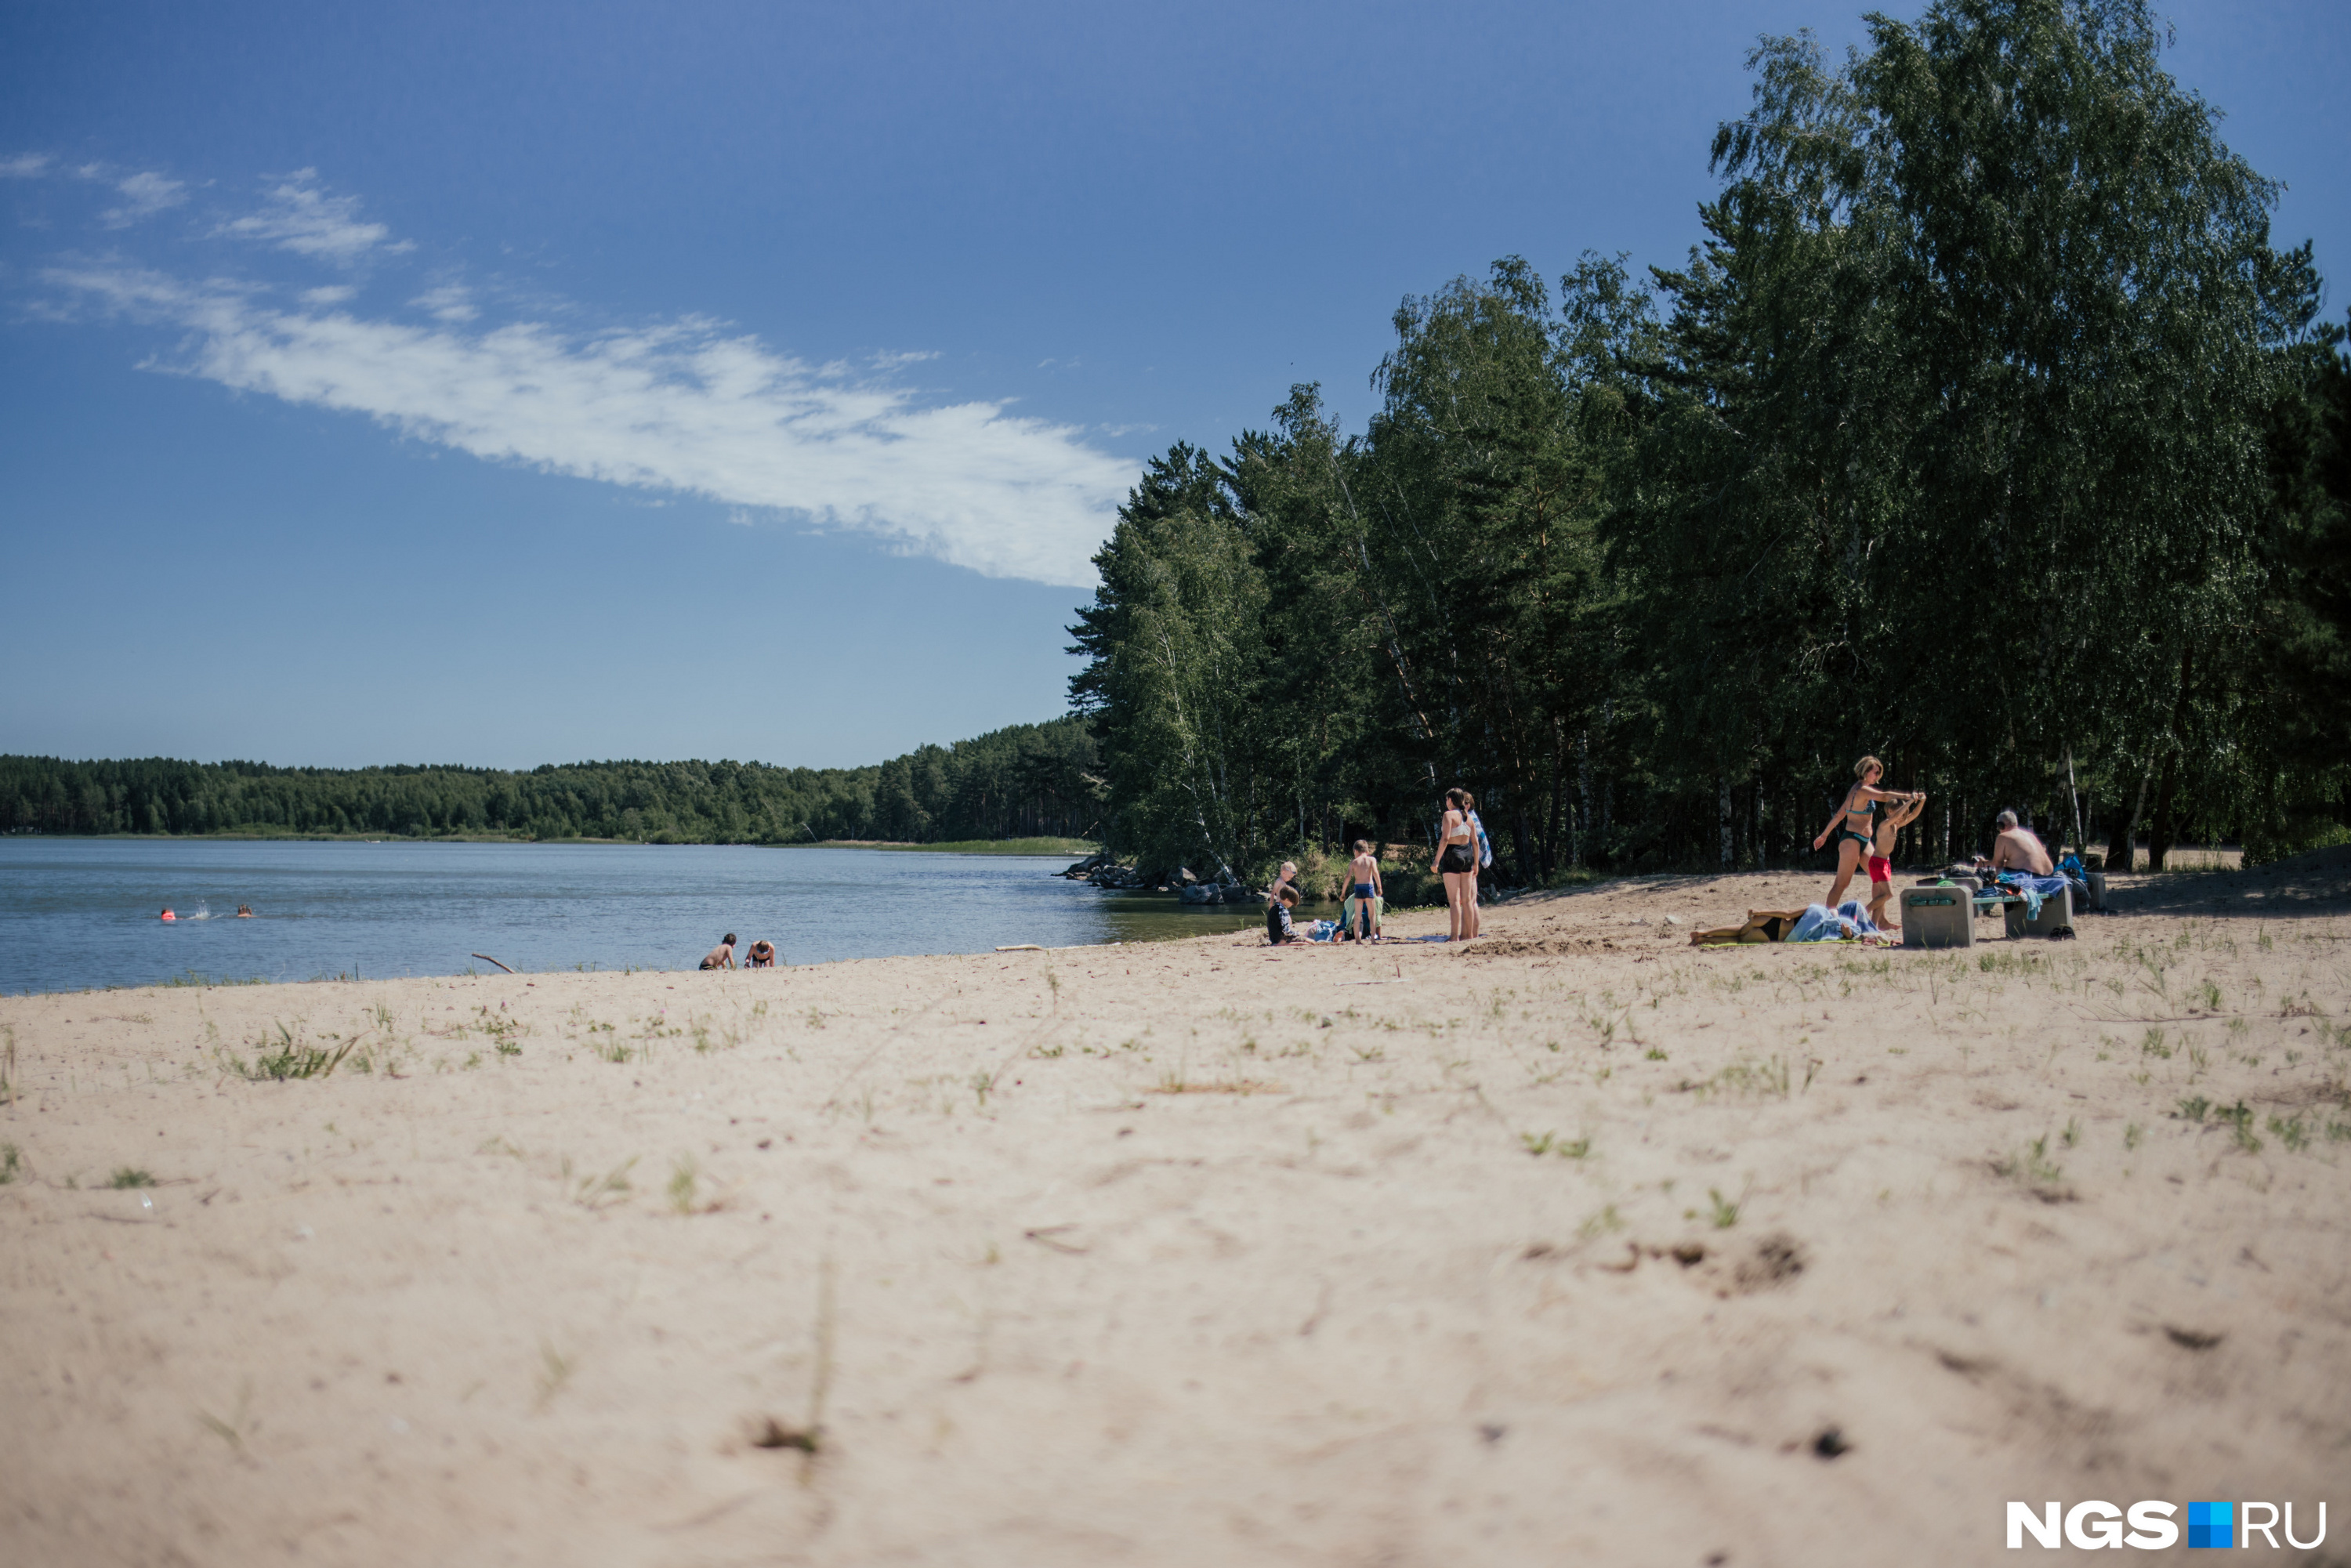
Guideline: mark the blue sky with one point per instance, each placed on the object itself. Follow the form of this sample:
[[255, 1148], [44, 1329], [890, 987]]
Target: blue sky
[[506, 385]]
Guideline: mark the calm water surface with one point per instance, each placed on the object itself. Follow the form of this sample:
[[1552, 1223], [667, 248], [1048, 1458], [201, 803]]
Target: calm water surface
[[83, 912]]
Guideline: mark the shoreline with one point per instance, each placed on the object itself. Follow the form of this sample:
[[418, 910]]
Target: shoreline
[[1574, 1241]]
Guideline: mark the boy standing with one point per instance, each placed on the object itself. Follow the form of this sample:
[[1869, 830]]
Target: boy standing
[[1365, 873]]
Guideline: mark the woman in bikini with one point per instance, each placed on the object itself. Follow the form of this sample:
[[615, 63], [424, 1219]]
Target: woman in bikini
[[1457, 860], [1855, 824]]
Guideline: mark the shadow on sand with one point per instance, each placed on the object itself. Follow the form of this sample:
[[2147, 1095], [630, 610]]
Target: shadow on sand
[[2317, 883]]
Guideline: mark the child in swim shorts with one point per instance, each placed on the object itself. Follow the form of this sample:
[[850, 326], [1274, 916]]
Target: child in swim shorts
[[1364, 872]]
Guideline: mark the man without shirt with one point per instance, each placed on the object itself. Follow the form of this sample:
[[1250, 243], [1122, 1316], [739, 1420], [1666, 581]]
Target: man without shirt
[[2020, 849]]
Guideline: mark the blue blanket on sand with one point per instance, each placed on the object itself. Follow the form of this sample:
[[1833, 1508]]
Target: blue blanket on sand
[[2034, 888], [1847, 922]]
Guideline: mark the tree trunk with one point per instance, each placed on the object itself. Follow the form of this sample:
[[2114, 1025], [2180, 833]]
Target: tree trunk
[[1723, 811], [2162, 829]]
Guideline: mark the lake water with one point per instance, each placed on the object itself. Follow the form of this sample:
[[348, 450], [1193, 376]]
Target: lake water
[[76, 913]]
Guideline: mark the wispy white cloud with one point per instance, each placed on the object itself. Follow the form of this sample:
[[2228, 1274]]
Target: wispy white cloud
[[24, 167], [451, 302], [302, 218], [684, 407], [332, 294], [143, 196]]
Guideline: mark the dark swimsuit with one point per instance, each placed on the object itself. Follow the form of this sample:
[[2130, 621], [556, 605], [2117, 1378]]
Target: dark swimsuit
[[1868, 841]]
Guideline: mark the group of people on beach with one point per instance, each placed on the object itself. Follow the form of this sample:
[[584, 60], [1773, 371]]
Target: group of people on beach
[[1867, 820], [761, 955], [1462, 851]]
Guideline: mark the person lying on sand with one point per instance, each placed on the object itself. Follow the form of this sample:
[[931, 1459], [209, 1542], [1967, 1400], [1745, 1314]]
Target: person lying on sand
[[762, 954], [1881, 860], [721, 956]]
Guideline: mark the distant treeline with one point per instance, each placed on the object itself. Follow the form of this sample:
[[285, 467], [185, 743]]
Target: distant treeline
[[1030, 780]]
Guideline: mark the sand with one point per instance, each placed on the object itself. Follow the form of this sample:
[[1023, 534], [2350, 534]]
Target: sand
[[1578, 1245]]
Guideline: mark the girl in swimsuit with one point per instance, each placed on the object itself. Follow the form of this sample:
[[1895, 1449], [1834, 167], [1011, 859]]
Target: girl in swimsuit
[[1457, 859], [1855, 821]]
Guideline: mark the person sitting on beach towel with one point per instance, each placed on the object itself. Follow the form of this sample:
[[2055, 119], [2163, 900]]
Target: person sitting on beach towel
[[721, 956]]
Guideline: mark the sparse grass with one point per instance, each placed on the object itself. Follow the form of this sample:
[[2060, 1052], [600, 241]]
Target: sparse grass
[[2031, 1167], [2293, 1133], [1600, 1224], [130, 1176], [11, 1163], [554, 1370], [1542, 1144], [2073, 1133], [1725, 1213], [1747, 1081], [1176, 1084], [598, 1192], [683, 1180], [2132, 1133], [289, 1056]]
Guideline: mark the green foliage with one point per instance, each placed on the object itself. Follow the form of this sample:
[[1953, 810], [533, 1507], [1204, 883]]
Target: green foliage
[[1985, 432], [1030, 780]]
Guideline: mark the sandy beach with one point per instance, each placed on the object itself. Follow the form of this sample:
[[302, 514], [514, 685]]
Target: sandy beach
[[1572, 1245]]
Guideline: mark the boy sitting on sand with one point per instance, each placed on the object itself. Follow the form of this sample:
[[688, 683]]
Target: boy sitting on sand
[[721, 956], [1279, 928]]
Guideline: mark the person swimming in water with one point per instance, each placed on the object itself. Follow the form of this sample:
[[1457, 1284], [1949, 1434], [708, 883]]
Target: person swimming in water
[[1858, 814], [167, 912], [244, 911]]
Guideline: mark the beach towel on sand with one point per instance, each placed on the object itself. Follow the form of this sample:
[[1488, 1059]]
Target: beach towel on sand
[[1846, 923]]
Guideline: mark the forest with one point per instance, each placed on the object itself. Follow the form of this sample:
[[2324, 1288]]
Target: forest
[[1029, 780], [1986, 430]]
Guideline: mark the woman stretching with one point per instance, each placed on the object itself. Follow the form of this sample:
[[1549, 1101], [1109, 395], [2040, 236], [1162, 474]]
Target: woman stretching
[[1858, 816], [1457, 860]]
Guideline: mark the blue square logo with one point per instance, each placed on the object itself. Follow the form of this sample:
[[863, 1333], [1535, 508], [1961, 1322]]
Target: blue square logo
[[2211, 1524]]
